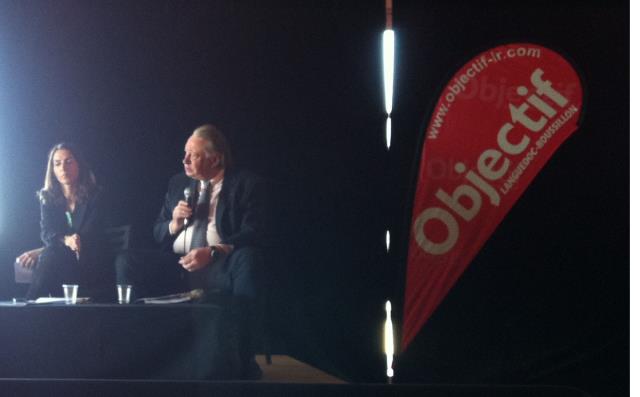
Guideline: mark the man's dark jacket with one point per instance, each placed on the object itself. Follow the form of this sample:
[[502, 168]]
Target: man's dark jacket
[[239, 214]]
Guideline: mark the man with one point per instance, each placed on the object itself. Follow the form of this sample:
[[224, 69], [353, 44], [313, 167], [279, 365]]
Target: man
[[230, 258], [210, 239]]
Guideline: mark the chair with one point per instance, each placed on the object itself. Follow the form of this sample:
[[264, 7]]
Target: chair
[[117, 238]]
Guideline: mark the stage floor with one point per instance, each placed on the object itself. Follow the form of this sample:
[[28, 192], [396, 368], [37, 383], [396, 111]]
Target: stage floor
[[286, 369]]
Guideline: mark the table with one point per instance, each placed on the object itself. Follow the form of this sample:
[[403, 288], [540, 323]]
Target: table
[[107, 341]]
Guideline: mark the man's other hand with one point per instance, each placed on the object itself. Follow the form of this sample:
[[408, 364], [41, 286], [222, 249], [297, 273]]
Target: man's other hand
[[196, 259]]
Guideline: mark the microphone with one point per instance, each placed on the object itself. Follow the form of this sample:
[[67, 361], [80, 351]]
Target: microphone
[[187, 196]]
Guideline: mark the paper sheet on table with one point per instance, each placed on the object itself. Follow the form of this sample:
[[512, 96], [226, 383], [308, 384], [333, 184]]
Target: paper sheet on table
[[13, 303], [173, 298], [52, 299]]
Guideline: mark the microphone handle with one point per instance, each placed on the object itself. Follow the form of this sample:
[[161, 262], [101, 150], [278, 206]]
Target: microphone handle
[[187, 197], [185, 221]]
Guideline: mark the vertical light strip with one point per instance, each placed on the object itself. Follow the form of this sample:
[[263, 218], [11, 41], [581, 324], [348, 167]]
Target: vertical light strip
[[389, 349], [388, 44], [388, 66], [388, 240], [388, 132], [388, 40]]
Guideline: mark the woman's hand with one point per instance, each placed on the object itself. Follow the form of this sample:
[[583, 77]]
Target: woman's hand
[[73, 242], [29, 259]]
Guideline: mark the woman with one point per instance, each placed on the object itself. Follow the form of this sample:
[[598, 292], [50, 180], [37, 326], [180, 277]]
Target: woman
[[71, 227]]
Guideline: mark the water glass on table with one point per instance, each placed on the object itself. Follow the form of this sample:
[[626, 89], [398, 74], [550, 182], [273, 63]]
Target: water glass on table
[[70, 293], [124, 294]]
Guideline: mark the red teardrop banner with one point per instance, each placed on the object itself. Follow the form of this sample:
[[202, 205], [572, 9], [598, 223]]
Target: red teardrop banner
[[495, 125]]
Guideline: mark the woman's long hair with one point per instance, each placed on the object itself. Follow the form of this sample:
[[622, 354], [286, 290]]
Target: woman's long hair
[[51, 192]]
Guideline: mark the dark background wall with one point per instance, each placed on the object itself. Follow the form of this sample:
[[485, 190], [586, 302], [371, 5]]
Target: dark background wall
[[297, 88]]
